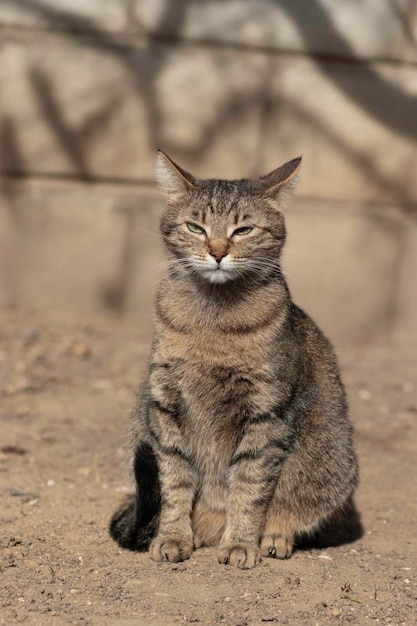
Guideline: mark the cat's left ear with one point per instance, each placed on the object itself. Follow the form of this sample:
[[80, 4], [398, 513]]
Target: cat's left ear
[[171, 177], [280, 183]]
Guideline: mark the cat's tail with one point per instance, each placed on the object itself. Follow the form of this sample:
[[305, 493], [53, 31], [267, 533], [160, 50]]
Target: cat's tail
[[135, 523], [126, 528]]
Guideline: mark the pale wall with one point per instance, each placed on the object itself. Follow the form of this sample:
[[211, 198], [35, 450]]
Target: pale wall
[[90, 89]]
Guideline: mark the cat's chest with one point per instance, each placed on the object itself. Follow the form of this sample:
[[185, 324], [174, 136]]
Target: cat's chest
[[212, 348], [220, 378]]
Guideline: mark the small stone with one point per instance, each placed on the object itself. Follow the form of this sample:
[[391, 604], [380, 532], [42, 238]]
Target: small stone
[[82, 350], [14, 450], [102, 384], [29, 336], [365, 395]]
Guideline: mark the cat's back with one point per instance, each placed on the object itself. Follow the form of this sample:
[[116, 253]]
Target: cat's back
[[319, 403], [317, 356]]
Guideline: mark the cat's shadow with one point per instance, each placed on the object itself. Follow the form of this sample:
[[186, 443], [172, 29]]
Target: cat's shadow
[[342, 529]]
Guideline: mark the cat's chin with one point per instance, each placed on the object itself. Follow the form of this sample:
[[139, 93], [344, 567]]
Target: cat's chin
[[216, 277]]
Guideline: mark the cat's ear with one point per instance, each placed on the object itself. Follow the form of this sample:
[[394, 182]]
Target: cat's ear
[[171, 177], [280, 183]]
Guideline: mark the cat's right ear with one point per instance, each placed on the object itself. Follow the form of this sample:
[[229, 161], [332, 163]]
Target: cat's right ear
[[280, 183], [171, 178]]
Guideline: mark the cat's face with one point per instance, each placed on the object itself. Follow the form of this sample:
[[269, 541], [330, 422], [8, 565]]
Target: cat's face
[[221, 230]]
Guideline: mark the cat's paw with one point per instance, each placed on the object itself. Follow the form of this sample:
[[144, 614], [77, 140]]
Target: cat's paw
[[241, 555], [170, 549], [276, 546]]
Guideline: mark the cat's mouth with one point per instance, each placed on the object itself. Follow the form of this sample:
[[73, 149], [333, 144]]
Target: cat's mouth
[[217, 271]]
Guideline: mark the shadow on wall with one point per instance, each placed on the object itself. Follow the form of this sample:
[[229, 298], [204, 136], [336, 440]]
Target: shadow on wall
[[78, 137], [379, 98]]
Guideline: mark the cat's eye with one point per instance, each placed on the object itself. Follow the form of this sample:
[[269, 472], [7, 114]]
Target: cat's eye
[[195, 228], [243, 230]]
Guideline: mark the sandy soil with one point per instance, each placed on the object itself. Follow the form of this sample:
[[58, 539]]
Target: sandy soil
[[66, 389]]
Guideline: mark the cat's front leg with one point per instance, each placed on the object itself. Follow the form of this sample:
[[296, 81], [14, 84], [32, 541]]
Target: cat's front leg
[[174, 539], [253, 476]]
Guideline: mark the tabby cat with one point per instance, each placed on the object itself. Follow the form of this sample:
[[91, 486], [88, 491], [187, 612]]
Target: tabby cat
[[240, 437]]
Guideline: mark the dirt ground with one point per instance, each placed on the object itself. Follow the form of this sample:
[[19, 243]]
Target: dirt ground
[[66, 390]]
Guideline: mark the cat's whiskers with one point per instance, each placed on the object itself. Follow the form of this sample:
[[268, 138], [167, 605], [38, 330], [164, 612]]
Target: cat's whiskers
[[187, 270], [259, 265], [276, 267], [160, 268], [238, 267], [147, 231], [166, 265]]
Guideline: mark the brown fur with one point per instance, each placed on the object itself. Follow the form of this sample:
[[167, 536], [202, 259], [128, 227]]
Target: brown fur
[[241, 433]]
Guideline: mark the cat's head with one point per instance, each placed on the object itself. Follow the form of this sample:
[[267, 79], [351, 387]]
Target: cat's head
[[221, 230]]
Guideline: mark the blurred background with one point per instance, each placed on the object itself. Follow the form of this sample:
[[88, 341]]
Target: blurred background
[[228, 88]]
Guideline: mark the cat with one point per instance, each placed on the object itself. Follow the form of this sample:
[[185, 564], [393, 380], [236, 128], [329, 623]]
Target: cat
[[240, 438]]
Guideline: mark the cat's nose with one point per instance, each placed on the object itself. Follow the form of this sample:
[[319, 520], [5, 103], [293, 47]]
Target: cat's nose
[[218, 254]]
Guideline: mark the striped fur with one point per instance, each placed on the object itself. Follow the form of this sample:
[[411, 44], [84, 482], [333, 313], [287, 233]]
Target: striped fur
[[240, 437]]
